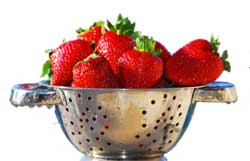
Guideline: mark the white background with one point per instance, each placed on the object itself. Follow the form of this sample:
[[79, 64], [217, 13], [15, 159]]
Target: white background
[[218, 132]]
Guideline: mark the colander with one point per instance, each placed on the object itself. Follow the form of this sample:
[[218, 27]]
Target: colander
[[122, 124]]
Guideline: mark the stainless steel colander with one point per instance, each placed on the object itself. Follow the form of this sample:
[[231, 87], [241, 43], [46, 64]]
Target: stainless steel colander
[[122, 124]]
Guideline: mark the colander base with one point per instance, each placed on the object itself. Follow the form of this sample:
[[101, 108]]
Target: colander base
[[86, 158]]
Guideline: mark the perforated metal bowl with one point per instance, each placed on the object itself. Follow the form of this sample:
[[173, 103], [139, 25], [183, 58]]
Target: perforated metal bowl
[[128, 124]]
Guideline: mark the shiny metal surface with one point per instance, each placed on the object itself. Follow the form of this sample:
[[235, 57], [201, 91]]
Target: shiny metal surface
[[128, 124]]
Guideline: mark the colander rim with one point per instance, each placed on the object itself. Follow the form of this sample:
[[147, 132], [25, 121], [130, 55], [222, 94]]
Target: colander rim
[[46, 84]]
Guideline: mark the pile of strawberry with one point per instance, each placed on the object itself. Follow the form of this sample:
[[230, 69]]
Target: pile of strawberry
[[120, 57]]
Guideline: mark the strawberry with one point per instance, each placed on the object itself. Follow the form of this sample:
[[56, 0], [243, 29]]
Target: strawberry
[[65, 57], [141, 68], [93, 34], [165, 55], [197, 63], [116, 41], [94, 72]]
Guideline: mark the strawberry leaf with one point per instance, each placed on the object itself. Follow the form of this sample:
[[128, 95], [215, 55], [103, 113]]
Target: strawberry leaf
[[227, 66], [224, 55], [123, 26], [46, 69], [80, 30], [215, 44], [215, 47], [49, 51], [146, 44]]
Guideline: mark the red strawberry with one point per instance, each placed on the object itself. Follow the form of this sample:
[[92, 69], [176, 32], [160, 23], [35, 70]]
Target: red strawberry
[[65, 57], [94, 72], [197, 63], [140, 68], [165, 55], [117, 41], [93, 34]]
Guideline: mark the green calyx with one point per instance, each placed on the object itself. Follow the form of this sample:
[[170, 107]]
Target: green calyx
[[98, 23], [46, 70], [146, 44], [215, 47], [123, 26]]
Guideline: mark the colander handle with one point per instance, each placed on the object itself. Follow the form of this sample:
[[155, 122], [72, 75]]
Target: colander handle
[[216, 92], [33, 94]]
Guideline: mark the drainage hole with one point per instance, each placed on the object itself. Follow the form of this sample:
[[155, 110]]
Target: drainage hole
[[80, 142], [153, 102], [102, 132], [79, 95], [91, 128], [89, 98], [80, 120], [170, 141], [72, 123], [105, 116], [156, 127], [94, 119], [172, 117], [137, 136], [169, 108], [108, 143], [158, 121], [177, 124], [83, 113], [179, 106], [73, 133], [87, 120], [154, 141], [174, 97], [99, 107], [163, 114], [79, 133], [140, 145], [144, 125], [148, 134], [144, 112], [87, 140], [87, 109], [70, 100], [101, 149], [165, 96], [97, 138], [171, 131], [67, 109], [180, 114]]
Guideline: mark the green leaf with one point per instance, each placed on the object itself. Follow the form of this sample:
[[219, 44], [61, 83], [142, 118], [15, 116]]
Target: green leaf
[[80, 30], [146, 44], [215, 44], [110, 26], [46, 69], [227, 66], [63, 40], [49, 51], [224, 55], [123, 26]]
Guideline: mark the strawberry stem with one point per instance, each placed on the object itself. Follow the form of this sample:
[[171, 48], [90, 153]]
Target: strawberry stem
[[146, 44], [215, 47], [123, 26], [98, 23]]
